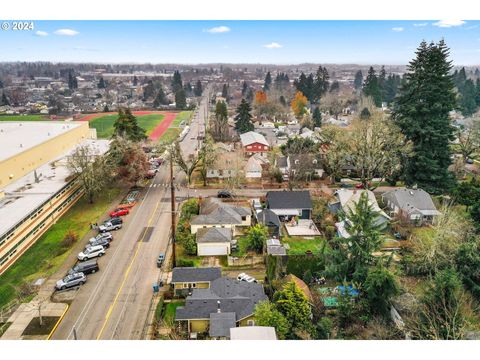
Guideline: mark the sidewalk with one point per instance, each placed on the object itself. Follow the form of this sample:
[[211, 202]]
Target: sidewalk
[[26, 312]]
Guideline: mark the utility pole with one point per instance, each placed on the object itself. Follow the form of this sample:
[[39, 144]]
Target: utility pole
[[172, 194]]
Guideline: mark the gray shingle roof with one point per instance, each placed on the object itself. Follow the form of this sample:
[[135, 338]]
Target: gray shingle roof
[[191, 274], [214, 211], [412, 199], [214, 235], [289, 200], [252, 137], [235, 296], [221, 323], [268, 217]]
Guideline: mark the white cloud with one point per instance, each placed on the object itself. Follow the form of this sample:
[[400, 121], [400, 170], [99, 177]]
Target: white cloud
[[41, 33], [273, 45], [398, 29], [66, 32], [449, 23], [218, 30], [420, 24]]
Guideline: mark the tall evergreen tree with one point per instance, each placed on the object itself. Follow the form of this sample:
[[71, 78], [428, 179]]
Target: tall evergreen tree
[[188, 88], [101, 83], [422, 113], [358, 81], [468, 104], [4, 101], [243, 118], [335, 87], [160, 99], [382, 80], [268, 82], [317, 117], [180, 99], [126, 126], [321, 84], [244, 88], [177, 81], [198, 88], [135, 81], [225, 91], [477, 91], [371, 87]]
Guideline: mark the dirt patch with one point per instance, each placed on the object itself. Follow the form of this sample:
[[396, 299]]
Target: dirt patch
[[34, 328]]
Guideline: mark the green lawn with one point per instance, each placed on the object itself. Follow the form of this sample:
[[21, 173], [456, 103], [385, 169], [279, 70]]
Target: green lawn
[[104, 124], [170, 135], [182, 116], [242, 247], [169, 312], [48, 253], [299, 245], [182, 255], [23, 117]]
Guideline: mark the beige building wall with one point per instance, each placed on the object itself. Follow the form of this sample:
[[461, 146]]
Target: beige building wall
[[14, 243], [17, 166]]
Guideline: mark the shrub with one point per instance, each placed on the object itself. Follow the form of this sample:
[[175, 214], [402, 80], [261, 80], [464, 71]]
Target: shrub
[[185, 263], [159, 309], [69, 239], [190, 244]]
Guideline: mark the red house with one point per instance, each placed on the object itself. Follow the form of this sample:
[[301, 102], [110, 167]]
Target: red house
[[254, 143]]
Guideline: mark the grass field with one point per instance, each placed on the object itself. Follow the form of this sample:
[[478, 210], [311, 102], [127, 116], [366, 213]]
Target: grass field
[[48, 253], [23, 117], [182, 116], [104, 124], [170, 309], [299, 245], [170, 135]]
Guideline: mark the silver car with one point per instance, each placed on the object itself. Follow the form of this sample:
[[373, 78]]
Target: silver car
[[68, 281], [108, 226], [105, 235], [91, 252]]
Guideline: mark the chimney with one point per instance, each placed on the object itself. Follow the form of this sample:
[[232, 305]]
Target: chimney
[[218, 307]]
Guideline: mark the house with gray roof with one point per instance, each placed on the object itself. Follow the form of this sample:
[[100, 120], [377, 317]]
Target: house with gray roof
[[271, 220], [413, 205], [287, 204], [185, 279], [214, 241], [235, 299], [216, 213]]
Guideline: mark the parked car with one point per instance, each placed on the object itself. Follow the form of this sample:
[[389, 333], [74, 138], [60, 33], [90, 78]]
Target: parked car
[[127, 204], [91, 252], [86, 267], [119, 212], [160, 259], [224, 194], [470, 161], [241, 276], [108, 226], [150, 174], [102, 241], [115, 220], [105, 235], [69, 281]]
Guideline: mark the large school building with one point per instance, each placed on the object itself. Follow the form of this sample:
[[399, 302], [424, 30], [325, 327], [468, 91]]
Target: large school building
[[35, 185]]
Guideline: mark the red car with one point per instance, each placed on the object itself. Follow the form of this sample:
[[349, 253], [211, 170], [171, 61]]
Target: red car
[[119, 212]]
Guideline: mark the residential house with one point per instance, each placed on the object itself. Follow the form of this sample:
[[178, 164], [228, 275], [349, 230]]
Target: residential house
[[227, 165], [306, 165], [253, 142], [255, 166], [235, 299], [413, 205], [253, 333], [287, 204], [214, 241], [184, 279], [215, 213], [346, 201], [283, 164], [269, 219]]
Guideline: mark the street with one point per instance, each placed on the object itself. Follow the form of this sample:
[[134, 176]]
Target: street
[[114, 303]]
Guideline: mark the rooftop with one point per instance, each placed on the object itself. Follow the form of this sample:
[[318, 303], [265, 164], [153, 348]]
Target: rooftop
[[221, 323], [18, 136], [214, 235], [192, 274], [25, 195], [253, 137], [289, 200], [412, 199]]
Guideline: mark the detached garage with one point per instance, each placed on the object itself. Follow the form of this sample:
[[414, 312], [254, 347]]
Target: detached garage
[[214, 241]]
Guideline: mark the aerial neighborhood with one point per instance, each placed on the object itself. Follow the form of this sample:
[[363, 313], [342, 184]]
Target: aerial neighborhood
[[240, 201]]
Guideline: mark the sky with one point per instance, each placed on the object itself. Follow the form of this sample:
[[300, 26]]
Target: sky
[[268, 42]]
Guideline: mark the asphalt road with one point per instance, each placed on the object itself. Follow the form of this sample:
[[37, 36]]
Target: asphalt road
[[114, 302]]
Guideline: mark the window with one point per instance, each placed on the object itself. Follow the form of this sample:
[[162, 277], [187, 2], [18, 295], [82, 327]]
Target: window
[[244, 218], [251, 322]]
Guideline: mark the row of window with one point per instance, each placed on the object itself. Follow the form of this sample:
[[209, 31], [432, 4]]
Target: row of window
[[34, 213], [37, 228]]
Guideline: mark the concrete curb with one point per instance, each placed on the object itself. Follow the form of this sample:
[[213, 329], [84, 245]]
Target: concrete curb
[[58, 322]]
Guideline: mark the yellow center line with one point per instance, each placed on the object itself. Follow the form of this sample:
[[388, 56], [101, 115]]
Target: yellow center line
[[125, 276]]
